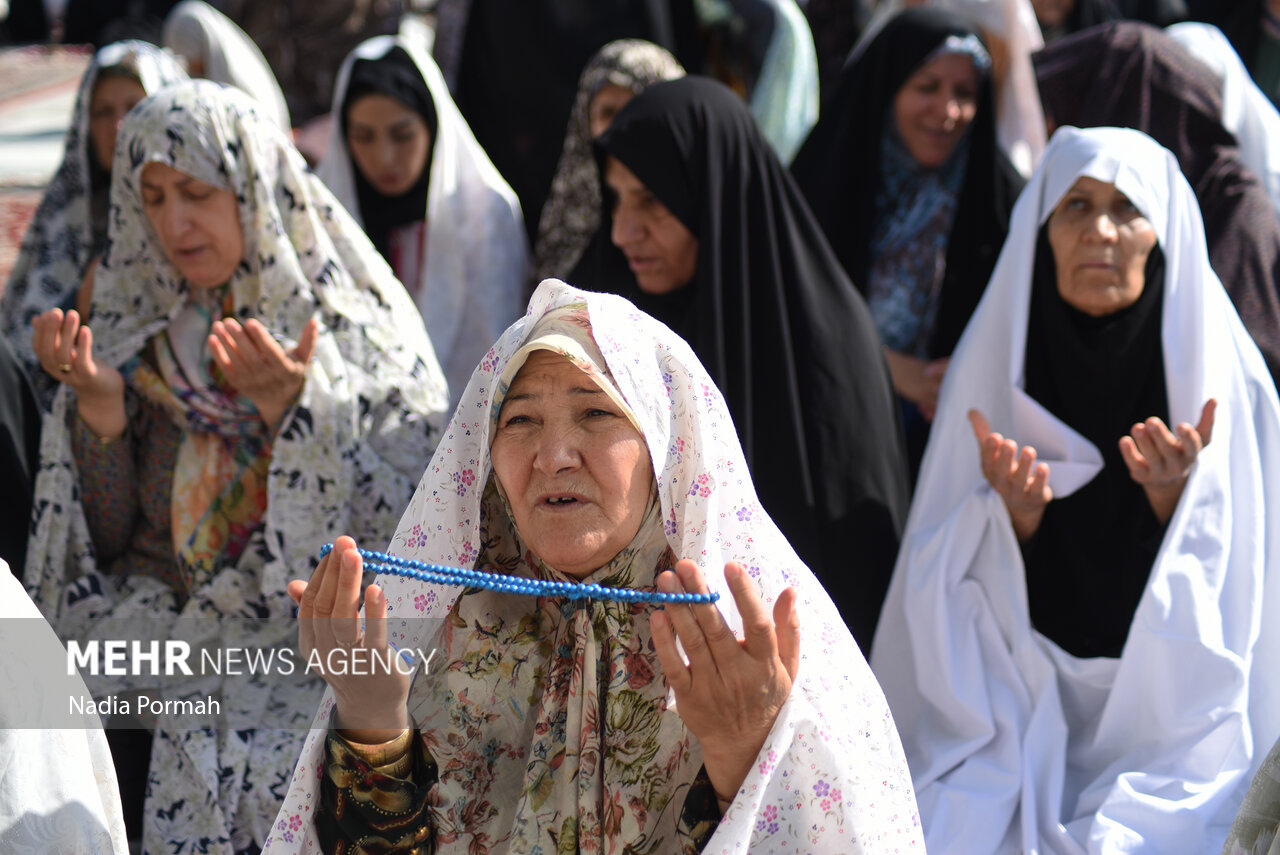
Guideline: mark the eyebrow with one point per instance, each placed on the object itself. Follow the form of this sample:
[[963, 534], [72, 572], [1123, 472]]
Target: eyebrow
[[529, 396], [406, 122], [181, 182]]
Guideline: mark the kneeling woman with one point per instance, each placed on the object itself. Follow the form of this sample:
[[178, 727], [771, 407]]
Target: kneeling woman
[[592, 446], [1074, 644], [255, 382]]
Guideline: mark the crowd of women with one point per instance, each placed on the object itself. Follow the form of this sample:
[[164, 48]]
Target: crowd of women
[[969, 376]]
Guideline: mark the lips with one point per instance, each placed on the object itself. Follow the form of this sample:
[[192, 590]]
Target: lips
[[639, 263], [561, 501]]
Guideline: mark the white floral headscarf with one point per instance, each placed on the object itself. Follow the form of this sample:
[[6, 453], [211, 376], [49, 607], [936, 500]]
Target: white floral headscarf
[[832, 768], [59, 241], [344, 459]]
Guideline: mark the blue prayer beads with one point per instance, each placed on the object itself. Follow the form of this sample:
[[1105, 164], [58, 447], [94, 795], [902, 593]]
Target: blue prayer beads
[[393, 565]]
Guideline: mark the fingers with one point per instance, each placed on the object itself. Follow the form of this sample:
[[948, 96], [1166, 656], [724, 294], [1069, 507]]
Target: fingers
[[1039, 488], [981, 428], [64, 351], [296, 589], [346, 612], [720, 639], [684, 622], [787, 621], [267, 348], [757, 629], [375, 618], [82, 362], [677, 675], [1205, 428], [327, 590], [307, 344]]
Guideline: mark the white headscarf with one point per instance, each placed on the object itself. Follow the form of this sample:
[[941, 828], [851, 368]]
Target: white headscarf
[[473, 282], [1020, 126], [201, 33], [831, 768], [58, 244], [1246, 111], [1015, 745], [58, 790], [784, 100], [344, 458]]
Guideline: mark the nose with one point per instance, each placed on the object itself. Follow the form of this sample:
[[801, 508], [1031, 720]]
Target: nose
[[557, 451], [177, 217], [1103, 229], [386, 154], [626, 227]]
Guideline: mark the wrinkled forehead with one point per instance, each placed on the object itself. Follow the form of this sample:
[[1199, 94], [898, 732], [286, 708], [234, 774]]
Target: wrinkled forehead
[[1130, 160], [562, 334]]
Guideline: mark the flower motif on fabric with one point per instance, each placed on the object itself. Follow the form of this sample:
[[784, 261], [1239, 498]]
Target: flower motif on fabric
[[464, 480], [701, 486], [468, 554], [768, 821], [744, 514]]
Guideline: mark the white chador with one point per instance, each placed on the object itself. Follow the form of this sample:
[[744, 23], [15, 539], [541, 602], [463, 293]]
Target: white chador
[[1016, 746]]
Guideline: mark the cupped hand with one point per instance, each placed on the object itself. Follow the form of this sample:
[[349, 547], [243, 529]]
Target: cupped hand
[[730, 691], [373, 702], [1161, 461], [258, 367], [64, 347], [1014, 474]]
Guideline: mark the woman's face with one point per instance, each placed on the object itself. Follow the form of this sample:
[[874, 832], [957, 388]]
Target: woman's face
[[574, 469], [935, 107], [113, 96], [605, 105], [389, 142], [198, 224], [662, 253], [1100, 243], [1052, 13]]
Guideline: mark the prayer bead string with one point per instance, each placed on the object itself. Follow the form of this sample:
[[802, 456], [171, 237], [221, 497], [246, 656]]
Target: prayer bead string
[[393, 565]]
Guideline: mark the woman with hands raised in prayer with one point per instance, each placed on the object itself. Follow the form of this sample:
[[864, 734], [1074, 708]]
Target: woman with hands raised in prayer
[[591, 446], [1094, 675], [254, 381]]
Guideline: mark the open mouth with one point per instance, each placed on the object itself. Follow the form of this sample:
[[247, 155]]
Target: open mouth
[[560, 501]]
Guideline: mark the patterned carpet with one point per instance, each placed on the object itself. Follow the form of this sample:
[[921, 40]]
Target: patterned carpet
[[16, 208]]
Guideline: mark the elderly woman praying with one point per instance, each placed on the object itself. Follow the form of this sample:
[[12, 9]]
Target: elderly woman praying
[[591, 446]]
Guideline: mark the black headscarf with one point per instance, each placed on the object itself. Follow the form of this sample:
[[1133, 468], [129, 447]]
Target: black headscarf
[[396, 76], [779, 326], [1087, 565], [1240, 21], [837, 168], [1131, 75], [19, 456]]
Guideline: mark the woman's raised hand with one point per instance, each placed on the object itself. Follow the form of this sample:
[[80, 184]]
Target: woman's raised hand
[[64, 347], [1014, 474], [1161, 462], [259, 367], [730, 691], [373, 702]]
